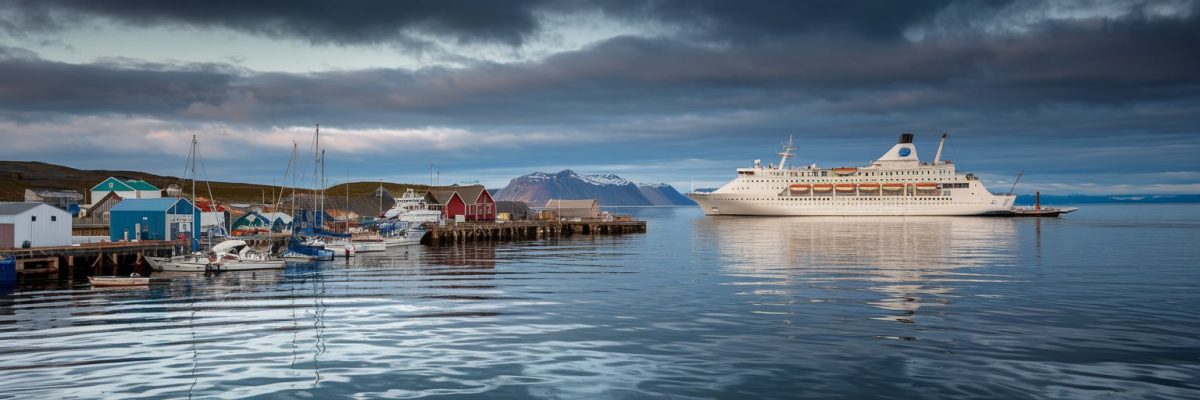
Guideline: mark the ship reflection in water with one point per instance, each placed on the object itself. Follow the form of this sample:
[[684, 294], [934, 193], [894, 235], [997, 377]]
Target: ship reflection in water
[[913, 263]]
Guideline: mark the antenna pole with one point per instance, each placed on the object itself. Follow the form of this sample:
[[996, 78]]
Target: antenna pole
[[1014, 186], [786, 153]]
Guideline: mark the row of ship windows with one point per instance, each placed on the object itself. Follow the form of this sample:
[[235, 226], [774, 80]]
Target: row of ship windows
[[888, 173], [837, 180], [848, 198], [943, 186]]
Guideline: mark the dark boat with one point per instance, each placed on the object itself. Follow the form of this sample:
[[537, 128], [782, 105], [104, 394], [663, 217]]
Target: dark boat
[[1038, 211]]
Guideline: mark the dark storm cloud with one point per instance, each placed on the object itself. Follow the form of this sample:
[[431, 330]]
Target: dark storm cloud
[[344, 22], [508, 21], [757, 20], [1112, 63], [34, 84]]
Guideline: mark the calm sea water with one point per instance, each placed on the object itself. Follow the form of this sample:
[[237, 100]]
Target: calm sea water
[[1100, 304]]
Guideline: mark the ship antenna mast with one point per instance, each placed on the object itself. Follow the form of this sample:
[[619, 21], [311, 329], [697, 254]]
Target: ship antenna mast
[[786, 153]]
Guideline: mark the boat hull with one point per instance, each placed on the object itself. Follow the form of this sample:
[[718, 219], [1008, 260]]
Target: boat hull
[[370, 247], [119, 281], [715, 204], [251, 265], [178, 264]]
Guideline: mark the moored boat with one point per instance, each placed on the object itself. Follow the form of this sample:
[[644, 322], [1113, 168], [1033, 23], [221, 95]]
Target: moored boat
[[194, 262], [370, 246], [236, 255], [123, 281]]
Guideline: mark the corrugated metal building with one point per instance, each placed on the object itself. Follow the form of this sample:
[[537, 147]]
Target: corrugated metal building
[[42, 225], [516, 210], [152, 219], [589, 208], [64, 199]]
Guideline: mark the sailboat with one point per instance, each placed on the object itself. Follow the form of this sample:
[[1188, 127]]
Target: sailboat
[[196, 261], [305, 243]]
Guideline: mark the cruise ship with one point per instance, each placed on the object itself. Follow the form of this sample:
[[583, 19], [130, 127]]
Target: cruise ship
[[898, 183]]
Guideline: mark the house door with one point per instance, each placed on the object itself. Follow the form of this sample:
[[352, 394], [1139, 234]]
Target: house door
[[6, 236]]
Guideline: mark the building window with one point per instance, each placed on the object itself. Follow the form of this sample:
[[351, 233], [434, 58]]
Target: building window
[[53, 218], [34, 218]]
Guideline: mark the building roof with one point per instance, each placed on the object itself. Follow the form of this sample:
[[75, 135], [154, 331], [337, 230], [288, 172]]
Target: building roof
[[141, 185], [50, 193], [17, 208], [279, 216], [251, 218], [512, 207], [114, 184], [161, 204], [564, 203], [468, 193], [442, 195]]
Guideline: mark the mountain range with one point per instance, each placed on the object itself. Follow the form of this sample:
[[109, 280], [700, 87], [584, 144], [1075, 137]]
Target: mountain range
[[610, 190]]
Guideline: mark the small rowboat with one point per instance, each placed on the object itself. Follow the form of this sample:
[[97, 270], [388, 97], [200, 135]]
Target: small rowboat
[[868, 186], [891, 187], [799, 187], [122, 281], [845, 187], [845, 170], [822, 187], [927, 186]]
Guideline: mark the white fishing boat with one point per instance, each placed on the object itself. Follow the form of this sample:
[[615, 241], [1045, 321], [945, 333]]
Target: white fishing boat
[[370, 246], [236, 255], [123, 281], [413, 209], [341, 248], [195, 262]]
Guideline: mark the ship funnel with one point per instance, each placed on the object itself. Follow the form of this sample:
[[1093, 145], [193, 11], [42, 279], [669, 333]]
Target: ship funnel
[[906, 138], [938, 157]]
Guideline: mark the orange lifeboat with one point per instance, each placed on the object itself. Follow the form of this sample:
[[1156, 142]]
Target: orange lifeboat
[[799, 187], [926, 186], [845, 187], [892, 187], [845, 170], [822, 187], [868, 186]]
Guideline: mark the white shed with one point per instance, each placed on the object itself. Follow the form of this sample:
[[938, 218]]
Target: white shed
[[42, 225]]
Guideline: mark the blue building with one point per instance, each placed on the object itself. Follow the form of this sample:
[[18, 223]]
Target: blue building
[[153, 219]]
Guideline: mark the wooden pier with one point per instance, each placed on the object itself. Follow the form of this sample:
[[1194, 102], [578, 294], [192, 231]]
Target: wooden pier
[[465, 232], [110, 258]]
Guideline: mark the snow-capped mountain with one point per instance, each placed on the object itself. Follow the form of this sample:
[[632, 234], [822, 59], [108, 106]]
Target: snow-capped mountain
[[611, 190]]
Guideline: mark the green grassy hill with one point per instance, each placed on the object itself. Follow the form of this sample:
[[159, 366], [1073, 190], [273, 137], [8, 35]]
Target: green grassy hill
[[16, 176]]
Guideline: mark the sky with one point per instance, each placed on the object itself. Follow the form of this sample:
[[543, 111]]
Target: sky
[[1089, 97]]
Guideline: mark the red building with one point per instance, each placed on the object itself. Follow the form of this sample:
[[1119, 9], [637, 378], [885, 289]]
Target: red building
[[473, 202]]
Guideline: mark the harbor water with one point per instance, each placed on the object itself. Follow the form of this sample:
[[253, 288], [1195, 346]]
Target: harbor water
[[1098, 304]]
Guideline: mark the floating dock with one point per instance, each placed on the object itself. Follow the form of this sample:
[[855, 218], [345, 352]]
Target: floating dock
[[466, 232]]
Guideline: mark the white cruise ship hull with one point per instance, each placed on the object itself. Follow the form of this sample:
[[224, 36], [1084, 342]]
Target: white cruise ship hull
[[895, 184], [715, 204]]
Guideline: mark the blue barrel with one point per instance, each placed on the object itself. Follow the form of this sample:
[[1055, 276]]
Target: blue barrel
[[8, 271]]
